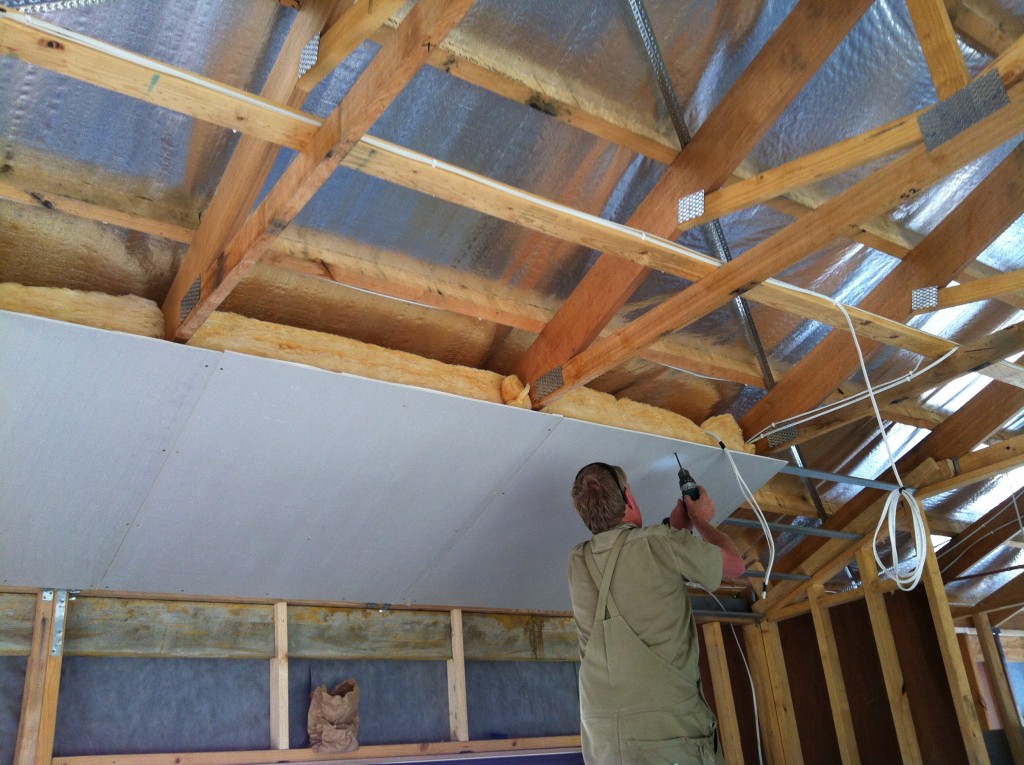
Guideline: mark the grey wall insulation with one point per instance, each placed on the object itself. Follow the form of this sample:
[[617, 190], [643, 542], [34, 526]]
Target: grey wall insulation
[[139, 706], [12, 680], [128, 706]]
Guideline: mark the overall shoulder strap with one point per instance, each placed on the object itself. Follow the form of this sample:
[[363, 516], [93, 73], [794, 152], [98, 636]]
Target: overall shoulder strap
[[604, 598]]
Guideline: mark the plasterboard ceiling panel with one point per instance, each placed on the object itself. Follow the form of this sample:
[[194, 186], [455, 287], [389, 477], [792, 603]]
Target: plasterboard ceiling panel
[[292, 482], [518, 548], [87, 418], [142, 465]]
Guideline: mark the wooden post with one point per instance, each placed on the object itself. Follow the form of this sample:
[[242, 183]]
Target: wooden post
[[834, 678], [279, 680], [895, 689], [1001, 687], [959, 687], [783, 695], [768, 713], [980, 687], [38, 722], [458, 712], [725, 705]]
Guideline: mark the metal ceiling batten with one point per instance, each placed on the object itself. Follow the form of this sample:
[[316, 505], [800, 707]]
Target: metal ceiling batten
[[712, 232]]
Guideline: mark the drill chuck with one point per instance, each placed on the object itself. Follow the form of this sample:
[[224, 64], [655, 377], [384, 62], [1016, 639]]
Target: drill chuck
[[687, 485]]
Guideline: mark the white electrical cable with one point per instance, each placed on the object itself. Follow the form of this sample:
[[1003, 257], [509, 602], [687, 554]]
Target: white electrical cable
[[988, 532], [835, 406], [908, 581], [750, 675], [984, 531], [758, 512]]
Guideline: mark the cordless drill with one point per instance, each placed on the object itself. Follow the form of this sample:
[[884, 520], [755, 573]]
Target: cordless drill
[[687, 486]]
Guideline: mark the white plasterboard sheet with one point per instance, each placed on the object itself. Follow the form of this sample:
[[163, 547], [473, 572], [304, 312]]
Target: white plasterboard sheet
[[86, 419], [137, 464], [518, 549], [293, 482]]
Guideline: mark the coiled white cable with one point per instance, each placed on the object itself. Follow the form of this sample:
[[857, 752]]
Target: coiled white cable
[[758, 513], [919, 530]]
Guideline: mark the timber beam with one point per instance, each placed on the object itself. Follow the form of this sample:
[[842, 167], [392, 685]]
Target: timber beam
[[869, 146], [901, 180], [776, 75], [963, 235], [967, 359], [979, 289], [453, 184], [215, 271], [962, 431]]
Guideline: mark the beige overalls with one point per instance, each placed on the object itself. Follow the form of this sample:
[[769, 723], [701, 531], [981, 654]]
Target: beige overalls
[[637, 708]]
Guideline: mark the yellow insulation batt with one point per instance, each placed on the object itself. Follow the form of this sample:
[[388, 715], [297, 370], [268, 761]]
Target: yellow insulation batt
[[232, 332], [125, 313], [603, 408]]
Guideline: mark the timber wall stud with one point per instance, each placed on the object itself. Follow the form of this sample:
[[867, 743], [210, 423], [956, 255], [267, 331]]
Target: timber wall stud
[[38, 721], [888, 657], [725, 705], [959, 687], [279, 680], [834, 678], [458, 712]]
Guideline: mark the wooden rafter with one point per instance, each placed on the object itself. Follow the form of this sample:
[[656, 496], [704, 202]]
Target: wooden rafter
[[103, 214], [959, 434], [346, 32], [938, 41], [1010, 595], [974, 543], [986, 212], [966, 359], [251, 162], [901, 180], [47, 45], [969, 477], [871, 145], [378, 85], [977, 541], [787, 61], [249, 166], [984, 24], [981, 289]]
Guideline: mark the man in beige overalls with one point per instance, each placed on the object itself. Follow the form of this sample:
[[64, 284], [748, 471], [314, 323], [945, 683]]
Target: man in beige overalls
[[640, 697]]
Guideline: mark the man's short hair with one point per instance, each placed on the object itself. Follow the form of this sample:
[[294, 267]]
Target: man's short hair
[[599, 496]]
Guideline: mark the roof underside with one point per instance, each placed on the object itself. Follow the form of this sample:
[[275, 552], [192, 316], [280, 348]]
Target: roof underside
[[558, 101]]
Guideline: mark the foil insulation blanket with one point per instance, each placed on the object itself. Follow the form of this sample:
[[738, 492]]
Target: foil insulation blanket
[[59, 116]]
